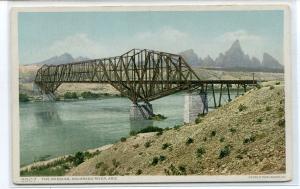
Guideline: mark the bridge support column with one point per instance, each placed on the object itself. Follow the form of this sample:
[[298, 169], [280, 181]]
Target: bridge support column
[[195, 103], [141, 111], [48, 97]]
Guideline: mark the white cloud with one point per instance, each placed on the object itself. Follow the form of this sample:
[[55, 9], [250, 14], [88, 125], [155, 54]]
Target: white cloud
[[77, 45]]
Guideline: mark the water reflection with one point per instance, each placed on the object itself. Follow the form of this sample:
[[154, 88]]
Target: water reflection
[[137, 125], [49, 115]]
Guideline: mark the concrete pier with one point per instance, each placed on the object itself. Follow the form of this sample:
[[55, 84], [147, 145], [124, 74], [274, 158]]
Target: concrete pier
[[140, 111], [194, 103]]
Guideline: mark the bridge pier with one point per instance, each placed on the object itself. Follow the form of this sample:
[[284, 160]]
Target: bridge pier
[[141, 111], [48, 97], [195, 103]]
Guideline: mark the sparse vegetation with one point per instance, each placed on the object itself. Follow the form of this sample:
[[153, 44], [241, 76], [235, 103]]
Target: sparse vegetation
[[259, 120], [242, 107], [157, 117], [147, 144], [271, 87], [90, 95], [222, 139], [268, 108], [23, 97], [123, 139], [150, 129], [162, 158], [281, 123], [249, 139], [154, 161], [200, 151], [277, 83], [198, 120], [213, 133], [78, 159], [177, 127], [165, 146], [70, 95], [159, 133], [232, 130], [139, 172], [189, 141], [224, 152]]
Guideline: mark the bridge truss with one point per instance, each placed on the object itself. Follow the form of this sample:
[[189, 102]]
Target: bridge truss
[[139, 74]]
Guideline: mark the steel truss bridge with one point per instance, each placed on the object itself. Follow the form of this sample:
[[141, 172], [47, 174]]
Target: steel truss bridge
[[142, 75]]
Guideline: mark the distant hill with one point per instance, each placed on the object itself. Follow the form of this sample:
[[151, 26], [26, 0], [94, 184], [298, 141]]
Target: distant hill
[[234, 59], [62, 59]]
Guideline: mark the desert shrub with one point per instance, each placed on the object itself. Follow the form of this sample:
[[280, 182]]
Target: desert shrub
[[259, 120], [136, 145], [99, 164], [150, 129], [89, 95], [204, 139], [242, 107], [189, 141], [162, 158], [132, 133], [268, 108], [224, 152], [213, 133], [159, 133], [87, 155], [115, 163], [165, 146], [147, 144], [198, 120], [200, 151], [232, 130], [239, 156], [222, 139], [78, 158], [23, 97], [271, 87], [258, 86], [70, 95], [157, 117], [167, 128], [154, 161], [277, 83], [123, 139], [182, 169], [138, 172], [176, 127], [249, 139], [281, 123]]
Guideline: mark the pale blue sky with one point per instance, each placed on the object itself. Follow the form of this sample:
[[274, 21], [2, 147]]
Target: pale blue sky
[[101, 34]]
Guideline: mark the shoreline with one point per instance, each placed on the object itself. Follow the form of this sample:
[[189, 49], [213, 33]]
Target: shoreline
[[41, 163]]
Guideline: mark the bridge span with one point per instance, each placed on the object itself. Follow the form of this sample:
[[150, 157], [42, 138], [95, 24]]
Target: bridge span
[[142, 75]]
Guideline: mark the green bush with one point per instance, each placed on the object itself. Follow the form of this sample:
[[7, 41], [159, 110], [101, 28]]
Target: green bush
[[123, 139], [198, 120], [271, 87], [249, 139], [159, 133], [157, 117], [213, 133], [222, 139], [232, 130], [242, 107], [268, 108], [176, 127], [89, 95], [154, 161], [259, 120], [162, 158], [23, 97], [147, 144], [258, 86], [139, 172], [115, 163], [165, 146], [281, 123], [182, 169], [200, 151], [99, 164], [189, 141], [277, 83], [78, 158], [150, 129], [70, 95], [224, 152]]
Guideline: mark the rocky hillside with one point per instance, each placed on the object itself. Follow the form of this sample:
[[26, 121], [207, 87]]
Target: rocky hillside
[[246, 136]]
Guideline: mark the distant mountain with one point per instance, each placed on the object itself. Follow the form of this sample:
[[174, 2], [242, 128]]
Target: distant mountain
[[234, 59], [191, 57], [62, 59]]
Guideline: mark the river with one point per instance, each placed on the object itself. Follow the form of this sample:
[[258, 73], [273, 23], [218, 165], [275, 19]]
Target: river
[[66, 127]]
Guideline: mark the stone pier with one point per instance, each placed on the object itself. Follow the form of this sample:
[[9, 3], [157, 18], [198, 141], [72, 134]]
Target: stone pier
[[141, 111], [195, 103], [48, 97]]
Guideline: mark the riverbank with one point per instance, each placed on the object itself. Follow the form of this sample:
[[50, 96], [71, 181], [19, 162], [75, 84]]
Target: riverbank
[[245, 136]]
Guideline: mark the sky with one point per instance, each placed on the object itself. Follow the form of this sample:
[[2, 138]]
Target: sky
[[104, 34]]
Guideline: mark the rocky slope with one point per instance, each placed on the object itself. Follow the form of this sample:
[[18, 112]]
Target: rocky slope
[[246, 136]]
